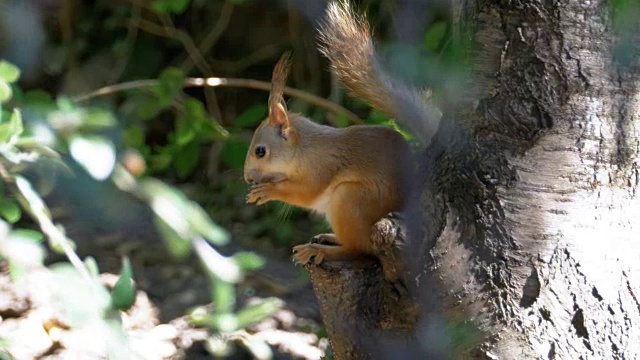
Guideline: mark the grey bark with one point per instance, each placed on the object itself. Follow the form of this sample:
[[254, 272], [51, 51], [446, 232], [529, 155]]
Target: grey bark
[[530, 210]]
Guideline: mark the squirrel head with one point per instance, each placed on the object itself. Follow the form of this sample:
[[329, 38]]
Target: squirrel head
[[271, 155]]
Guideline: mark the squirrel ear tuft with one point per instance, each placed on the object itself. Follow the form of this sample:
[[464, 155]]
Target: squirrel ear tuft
[[278, 116]]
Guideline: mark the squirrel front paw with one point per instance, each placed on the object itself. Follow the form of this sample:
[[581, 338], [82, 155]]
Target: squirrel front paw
[[259, 194], [302, 254]]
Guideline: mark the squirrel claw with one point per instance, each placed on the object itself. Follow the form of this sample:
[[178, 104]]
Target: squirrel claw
[[258, 194]]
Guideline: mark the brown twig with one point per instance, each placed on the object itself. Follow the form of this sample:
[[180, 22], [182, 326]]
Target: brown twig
[[225, 82], [233, 66], [170, 31], [213, 35], [132, 35]]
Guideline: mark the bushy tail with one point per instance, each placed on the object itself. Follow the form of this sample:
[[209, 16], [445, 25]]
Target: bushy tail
[[346, 41]]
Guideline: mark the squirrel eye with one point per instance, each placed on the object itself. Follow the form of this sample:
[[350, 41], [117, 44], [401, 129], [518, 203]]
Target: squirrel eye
[[261, 151]]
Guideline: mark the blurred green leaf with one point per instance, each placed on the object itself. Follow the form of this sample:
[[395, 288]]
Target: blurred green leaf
[[224, 296], [186, 158], [170, 83], [248, 260], [9, 72], [147, 107], [5, 91], [342, 120], [170, 6], [234, 152], [9, 210], [65, 104], [97, 119], [177, 245], [28, 234], [185, 131], [251, 117], [92, 266], [377, 117], [123, 295], [162, 160], [219, 321], [9, 131], [133, 136], [218, 266], [95, 154], [38, 102], [202, 224], [435, 35], [258, 311]]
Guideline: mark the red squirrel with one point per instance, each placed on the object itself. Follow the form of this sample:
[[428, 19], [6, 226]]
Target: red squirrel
[[353, 176]]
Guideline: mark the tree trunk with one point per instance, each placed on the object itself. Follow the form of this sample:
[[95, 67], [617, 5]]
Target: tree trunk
[[531, 245]]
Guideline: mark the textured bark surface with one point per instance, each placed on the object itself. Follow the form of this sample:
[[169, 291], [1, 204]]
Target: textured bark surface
[[359, 306], [548, 221], [531, 244]]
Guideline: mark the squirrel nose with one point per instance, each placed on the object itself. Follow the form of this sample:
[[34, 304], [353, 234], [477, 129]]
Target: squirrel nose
[[250, 177]]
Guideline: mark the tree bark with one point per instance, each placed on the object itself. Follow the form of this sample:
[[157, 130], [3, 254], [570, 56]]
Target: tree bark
[[530, 210]]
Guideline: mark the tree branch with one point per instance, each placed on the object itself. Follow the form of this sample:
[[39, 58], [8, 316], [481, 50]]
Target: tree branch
[[225, 82]]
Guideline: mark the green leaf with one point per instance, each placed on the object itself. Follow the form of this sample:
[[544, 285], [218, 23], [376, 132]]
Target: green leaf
[[147, 107], [10, 210], [5, 91], [170, 6], [170, 83], [196, 117], [342, 120], [65, 104], [186, 158], [216, 265], [133, 136], [234, 152], [10, 130], [123, 295], [185, 131], [28, 234], [224, 296], [251, 117], [38, 102], [248, 260], [201, 223], [9, 72], [92, 266], [258, 311], [95, 154], [377, 117], [177, 245], [98, 119], [434, 36]]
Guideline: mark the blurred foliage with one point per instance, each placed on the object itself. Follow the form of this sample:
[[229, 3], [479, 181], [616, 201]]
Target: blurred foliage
[[154, 139], [68, 129]]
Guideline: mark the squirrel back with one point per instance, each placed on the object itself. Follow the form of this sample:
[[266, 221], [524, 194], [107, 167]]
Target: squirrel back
[[346, 41]]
